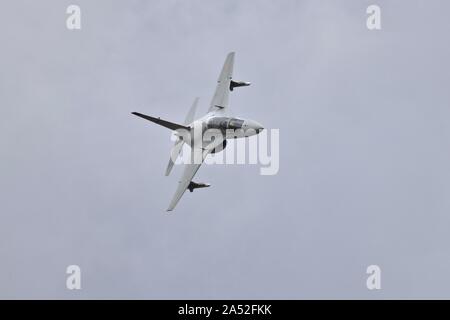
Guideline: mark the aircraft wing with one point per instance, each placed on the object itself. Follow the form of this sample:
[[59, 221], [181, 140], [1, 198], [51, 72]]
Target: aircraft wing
[[189, 172], [220, 98]]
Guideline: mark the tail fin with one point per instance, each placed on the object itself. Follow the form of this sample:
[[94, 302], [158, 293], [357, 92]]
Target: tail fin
[[191, 114], [177, 147], [164, 123], [174, 152]]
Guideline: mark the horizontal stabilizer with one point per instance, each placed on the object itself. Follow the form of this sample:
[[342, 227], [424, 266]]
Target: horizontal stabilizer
[[164, 123]]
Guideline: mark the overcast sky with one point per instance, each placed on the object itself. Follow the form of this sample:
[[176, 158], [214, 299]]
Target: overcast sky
[[364, 120]]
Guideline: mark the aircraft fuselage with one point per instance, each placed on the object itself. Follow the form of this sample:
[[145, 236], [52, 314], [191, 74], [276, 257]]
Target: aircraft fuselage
[[209, 128]]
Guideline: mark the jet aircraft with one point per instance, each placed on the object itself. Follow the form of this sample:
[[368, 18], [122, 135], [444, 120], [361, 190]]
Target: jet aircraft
[[207, 134]]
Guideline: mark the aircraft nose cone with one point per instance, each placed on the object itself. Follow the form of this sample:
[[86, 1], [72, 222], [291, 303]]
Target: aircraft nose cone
[[251, 124], [260, 128]]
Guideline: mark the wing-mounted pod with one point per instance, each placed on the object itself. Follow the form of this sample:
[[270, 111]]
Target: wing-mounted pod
[[196, 185], [235, 84]]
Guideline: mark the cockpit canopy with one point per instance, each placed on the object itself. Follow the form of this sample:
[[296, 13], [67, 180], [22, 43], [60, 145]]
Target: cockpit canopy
[[224, 123]]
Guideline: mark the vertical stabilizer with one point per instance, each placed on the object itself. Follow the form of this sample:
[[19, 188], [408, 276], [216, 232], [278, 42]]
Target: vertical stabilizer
[[176, 149]]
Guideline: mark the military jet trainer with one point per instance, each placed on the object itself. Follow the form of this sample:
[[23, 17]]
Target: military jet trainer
[[216, 120]]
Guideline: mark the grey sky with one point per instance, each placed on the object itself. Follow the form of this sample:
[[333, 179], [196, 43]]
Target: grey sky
[[364, 150]]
